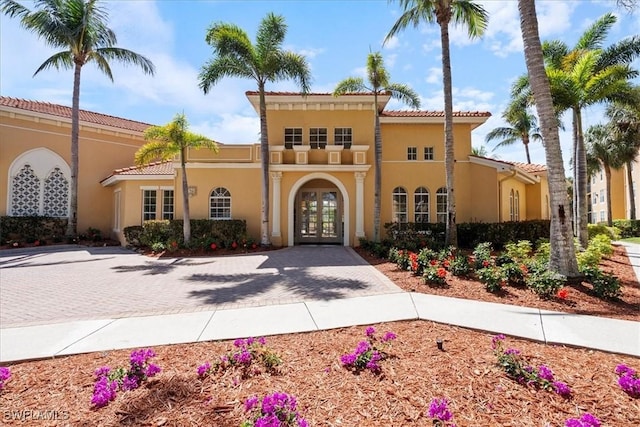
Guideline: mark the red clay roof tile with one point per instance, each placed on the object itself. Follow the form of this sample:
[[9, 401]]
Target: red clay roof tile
[[65, 112]]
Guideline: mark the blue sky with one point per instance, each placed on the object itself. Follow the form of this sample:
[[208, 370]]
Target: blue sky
[[334, 35]]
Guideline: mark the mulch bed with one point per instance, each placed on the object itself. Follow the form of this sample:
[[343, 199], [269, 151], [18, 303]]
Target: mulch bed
[[580, 300], [466, 373]]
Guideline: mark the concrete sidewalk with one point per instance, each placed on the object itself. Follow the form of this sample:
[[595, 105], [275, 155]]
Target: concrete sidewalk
[[45, 341]]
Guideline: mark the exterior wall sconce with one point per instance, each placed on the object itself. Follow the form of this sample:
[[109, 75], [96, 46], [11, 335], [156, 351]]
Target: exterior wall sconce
[[193, 190]]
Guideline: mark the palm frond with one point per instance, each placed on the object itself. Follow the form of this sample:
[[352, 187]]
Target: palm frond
[[229, 40], [291, 65], [404, 93], [271, 33], [414, 13], [213, 71], [472, 15], [155, 150], [59, 60], [127, 57], [597, 33], [623, 52], [351, 85]]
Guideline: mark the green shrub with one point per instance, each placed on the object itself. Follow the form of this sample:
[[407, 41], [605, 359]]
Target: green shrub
[[132, 235], [514, 273], [21, 228], [544, 282], [158, 247], [518, 251], [596, 229], [460, 265], [434, 275], [156, 231], [482, 255], [627, 227], [599, 247], [605, 285], [543, 252], [492, 277]]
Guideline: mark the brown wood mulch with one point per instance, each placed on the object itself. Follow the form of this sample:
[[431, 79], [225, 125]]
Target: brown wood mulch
[[465, 373]]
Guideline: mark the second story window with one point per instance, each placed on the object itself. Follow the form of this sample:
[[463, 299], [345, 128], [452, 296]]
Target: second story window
[[412, 153], [342, 136], [428, 153], [292, 136], [318, 137]]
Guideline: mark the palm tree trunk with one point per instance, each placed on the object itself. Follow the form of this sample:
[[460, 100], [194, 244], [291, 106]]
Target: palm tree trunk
[[580, 186], [632, 195], [574, 153], [72, 224], [378, 169], [186, 215], [264, 160], [451, 236], [563, 257], [525, 141], [607, 176]]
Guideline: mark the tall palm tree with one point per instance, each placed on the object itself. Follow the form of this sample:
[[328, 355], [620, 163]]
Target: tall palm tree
[[475, 18], [563, 257], [585, 75], [602, 154], [378, 83], [624, 122], [524, 127], [266, 61], [80, 28], [168, 141]]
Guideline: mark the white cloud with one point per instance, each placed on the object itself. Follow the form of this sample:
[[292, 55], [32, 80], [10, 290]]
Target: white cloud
[[390, 60], [472, 93], [392, 43], [308, 53], [434, 75], [231, 129]]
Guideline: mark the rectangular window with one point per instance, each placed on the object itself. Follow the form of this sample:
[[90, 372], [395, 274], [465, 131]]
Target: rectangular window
[[593, 179], [441, 205], [318, 137], [149, 198], [428, 153], [412, 153], [601, 216], [601, 176], [601, 196], [292, 136], [342, 136], [399, 205], [167, 204]]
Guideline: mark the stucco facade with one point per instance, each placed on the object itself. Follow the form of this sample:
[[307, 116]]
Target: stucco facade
[[321, 170]]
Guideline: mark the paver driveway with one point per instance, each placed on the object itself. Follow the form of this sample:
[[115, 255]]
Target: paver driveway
[[58, 285]]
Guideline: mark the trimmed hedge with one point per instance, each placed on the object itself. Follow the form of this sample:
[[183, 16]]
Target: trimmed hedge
[[628, 227], [413, 236], [31, 228], [203, 232]]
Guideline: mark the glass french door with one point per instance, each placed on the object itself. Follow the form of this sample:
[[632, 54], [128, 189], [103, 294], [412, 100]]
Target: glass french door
[[319, 216]]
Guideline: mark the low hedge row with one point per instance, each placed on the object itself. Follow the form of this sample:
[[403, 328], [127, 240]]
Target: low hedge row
[[31, 228], [203, 232], [417, 235]]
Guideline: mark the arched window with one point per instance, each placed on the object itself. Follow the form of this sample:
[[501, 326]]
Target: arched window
[[421, 205], [220, 204], [516, 207], [39, 184], [399, 206], [511, 208], [441, 204]]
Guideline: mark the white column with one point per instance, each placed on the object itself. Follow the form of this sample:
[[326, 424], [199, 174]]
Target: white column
[[360, 203], [276, 178]]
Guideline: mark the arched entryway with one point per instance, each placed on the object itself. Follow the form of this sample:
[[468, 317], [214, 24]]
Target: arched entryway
[[318, 211]]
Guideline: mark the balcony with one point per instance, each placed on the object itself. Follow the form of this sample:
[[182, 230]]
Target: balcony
[[318, 153]]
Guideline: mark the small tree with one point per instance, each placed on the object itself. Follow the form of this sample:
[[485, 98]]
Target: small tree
[[168, 141], [378, 84]]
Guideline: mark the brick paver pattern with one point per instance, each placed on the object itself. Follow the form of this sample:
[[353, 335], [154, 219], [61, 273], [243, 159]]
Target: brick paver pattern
[[54, 285]]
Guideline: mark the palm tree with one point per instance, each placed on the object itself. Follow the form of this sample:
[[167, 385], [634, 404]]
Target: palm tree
[[168, 141], [563, 257], [474, 17], [378, 80], [624, 122], [524, 127], [586, 75], [80, 28], [602, 154], [266, 61]]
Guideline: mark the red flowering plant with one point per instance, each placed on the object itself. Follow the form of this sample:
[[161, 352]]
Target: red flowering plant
[[563, 293], [434, 275]]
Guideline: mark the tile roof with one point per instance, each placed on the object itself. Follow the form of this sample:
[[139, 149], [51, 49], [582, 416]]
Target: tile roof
[[156, 168], [527, 167], [65, 112], [422, 113], [254, 93]]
